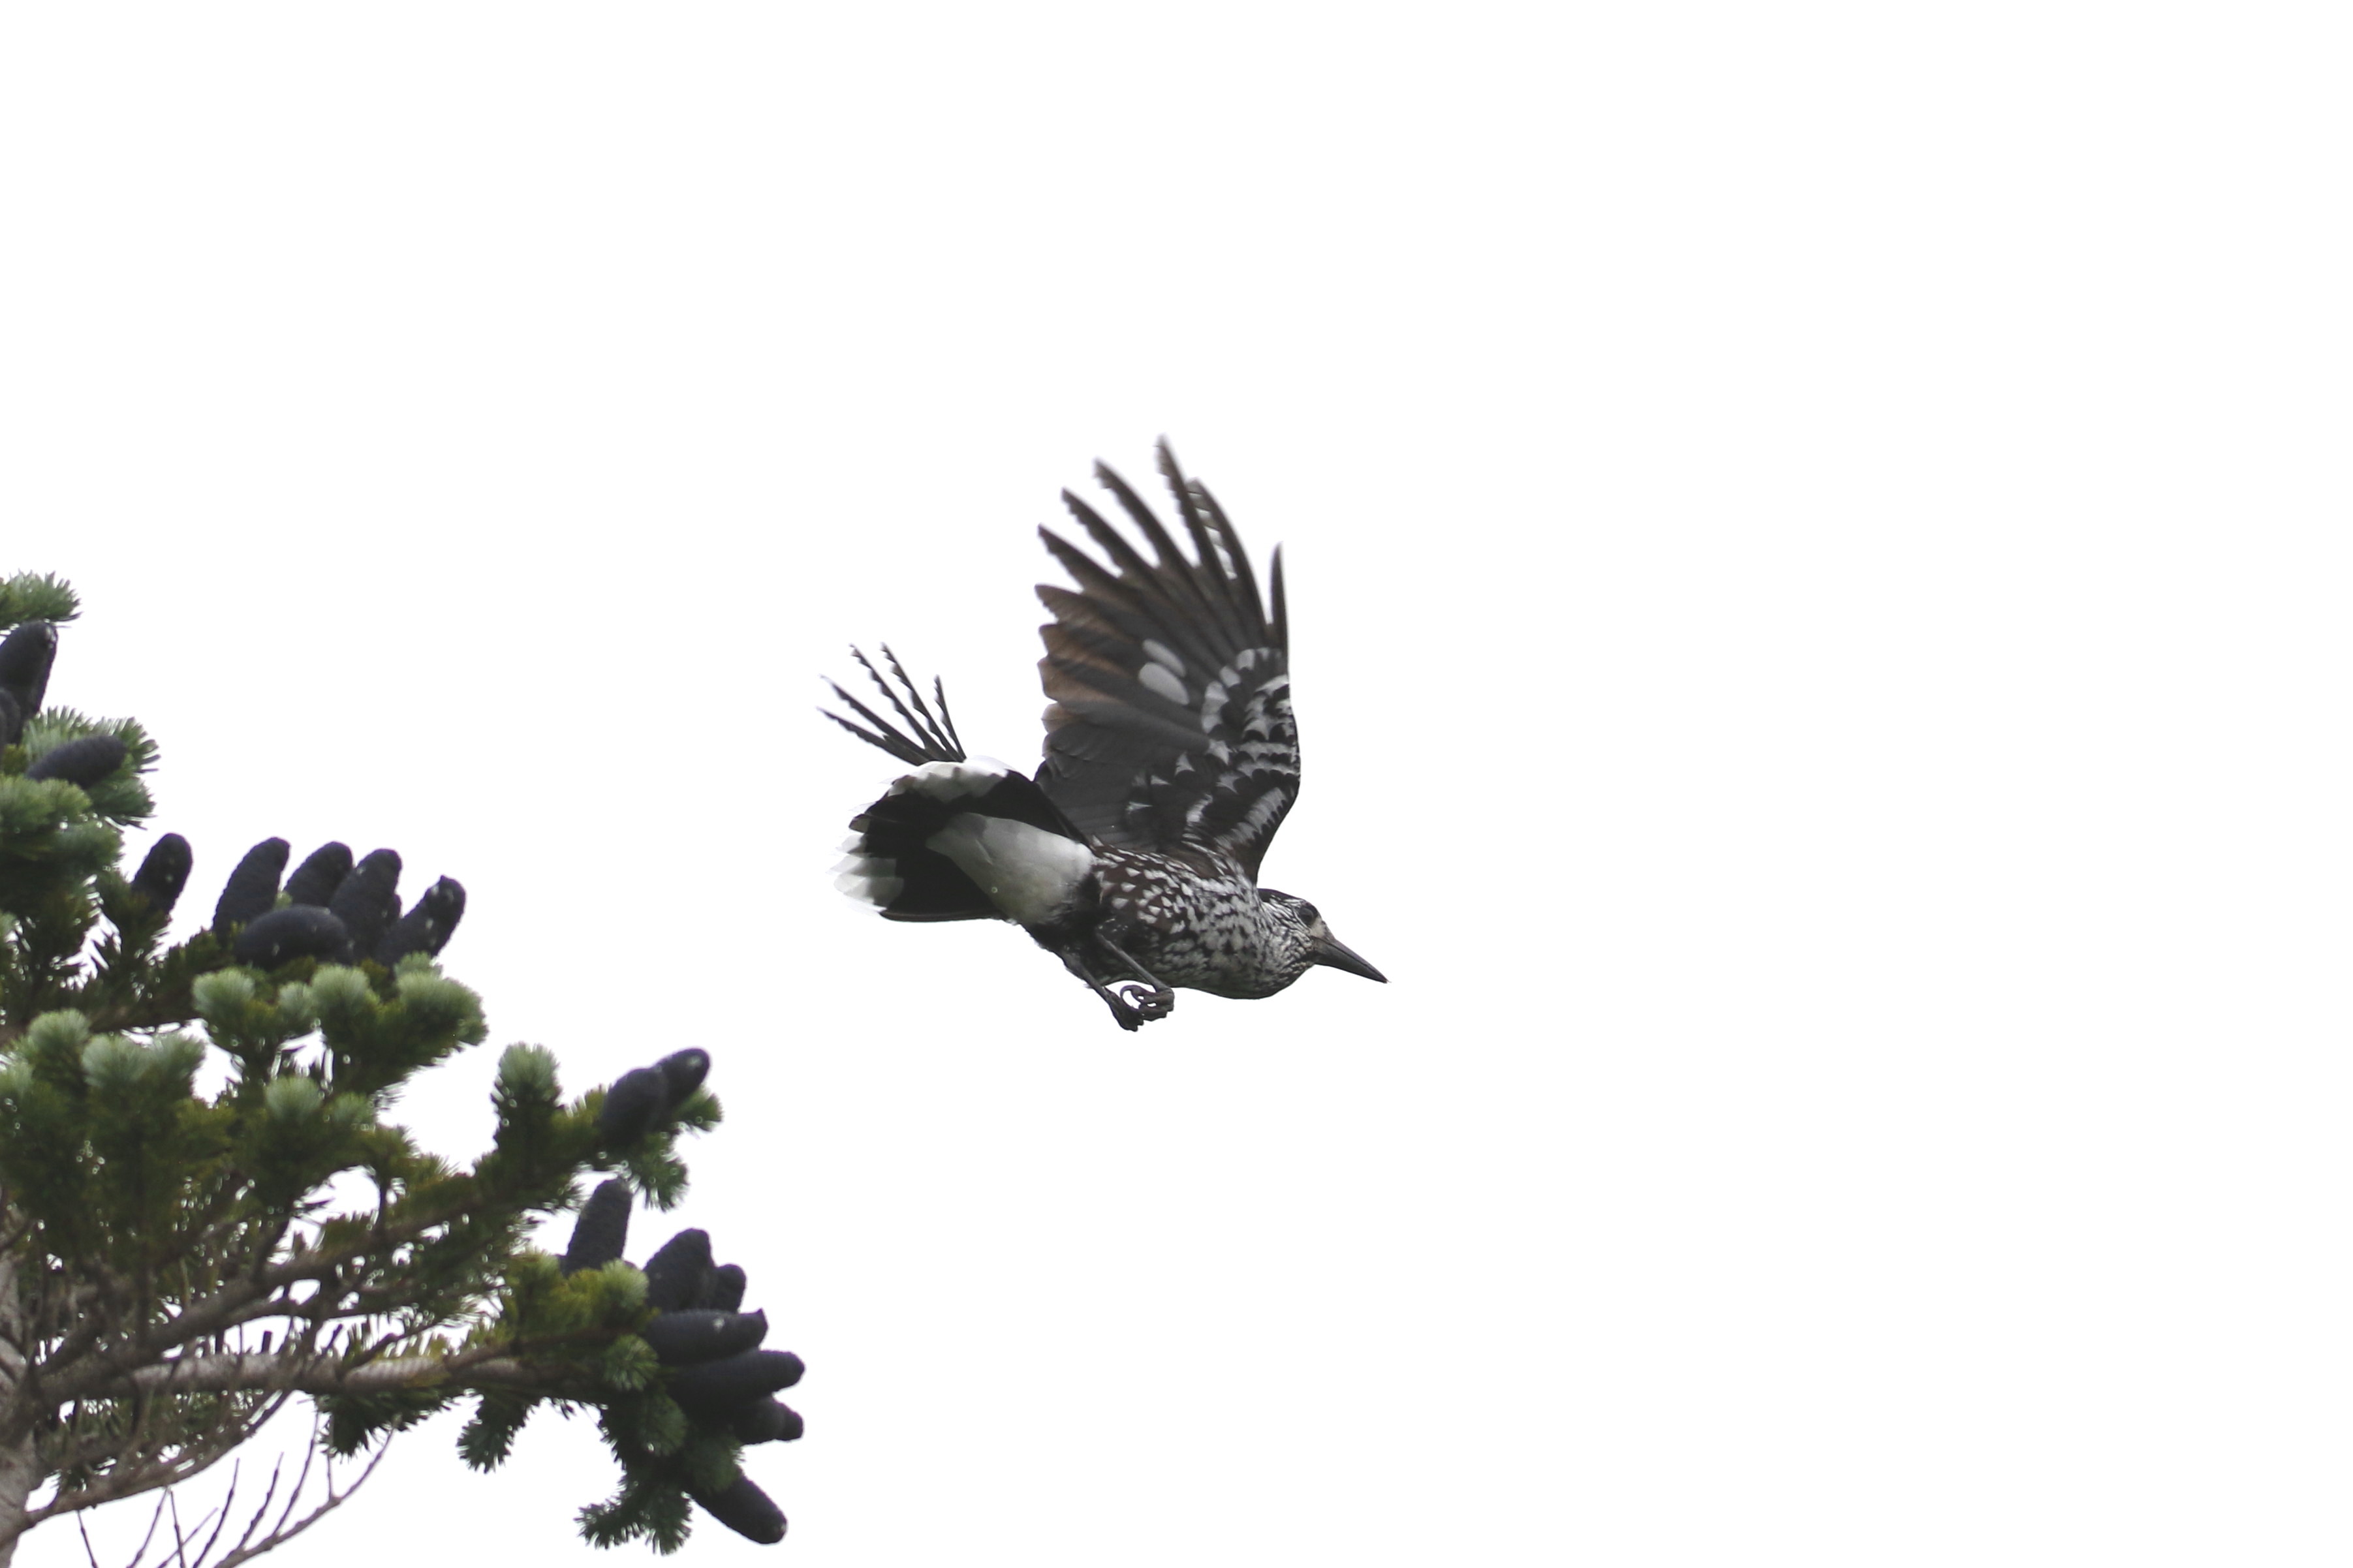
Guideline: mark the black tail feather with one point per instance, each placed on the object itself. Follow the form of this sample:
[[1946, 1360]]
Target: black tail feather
[[933, 740], [893, 866], [892, 863]]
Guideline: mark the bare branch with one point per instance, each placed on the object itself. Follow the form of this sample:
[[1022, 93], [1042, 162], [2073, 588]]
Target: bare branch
[[310, 1452], [120, 1481], [91, 1551], [228, 1505], [280, 1536], [262, 1511], [129, 1480]]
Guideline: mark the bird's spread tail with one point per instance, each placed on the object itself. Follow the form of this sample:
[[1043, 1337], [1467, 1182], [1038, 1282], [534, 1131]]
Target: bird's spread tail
[[956, 839], [959, 840], [935, 739]]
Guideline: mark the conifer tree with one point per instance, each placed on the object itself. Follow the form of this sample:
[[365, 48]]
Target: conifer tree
[[205, 1212]]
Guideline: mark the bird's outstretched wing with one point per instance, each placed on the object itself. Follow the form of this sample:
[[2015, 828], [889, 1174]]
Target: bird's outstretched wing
[[1169, 724]]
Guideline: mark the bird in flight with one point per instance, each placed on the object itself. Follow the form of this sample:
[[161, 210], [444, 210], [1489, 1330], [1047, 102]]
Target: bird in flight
[[1171, 758]]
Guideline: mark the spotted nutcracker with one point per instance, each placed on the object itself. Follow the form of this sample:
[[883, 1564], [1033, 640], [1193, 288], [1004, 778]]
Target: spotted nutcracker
[[1171, 758]]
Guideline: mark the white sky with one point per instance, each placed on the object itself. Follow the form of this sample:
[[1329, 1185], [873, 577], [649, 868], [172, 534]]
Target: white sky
[[1817, 549]]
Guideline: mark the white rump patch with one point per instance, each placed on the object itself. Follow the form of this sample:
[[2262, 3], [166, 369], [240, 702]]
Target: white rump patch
[[1027, 872], [948, 783], [1157, 680]]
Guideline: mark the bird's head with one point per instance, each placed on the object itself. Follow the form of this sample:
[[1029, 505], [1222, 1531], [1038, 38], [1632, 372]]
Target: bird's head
[[1311, 937]]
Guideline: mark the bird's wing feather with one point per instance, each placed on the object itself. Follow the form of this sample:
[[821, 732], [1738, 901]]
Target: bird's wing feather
[[1169, 724]]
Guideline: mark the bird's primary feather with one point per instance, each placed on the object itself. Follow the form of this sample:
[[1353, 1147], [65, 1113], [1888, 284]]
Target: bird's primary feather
[[1170, 724]]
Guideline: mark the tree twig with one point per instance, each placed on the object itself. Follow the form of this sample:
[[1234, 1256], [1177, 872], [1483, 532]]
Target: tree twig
[[335, 1499]]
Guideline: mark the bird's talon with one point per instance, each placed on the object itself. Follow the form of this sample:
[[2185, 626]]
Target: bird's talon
[[1146, 1002]]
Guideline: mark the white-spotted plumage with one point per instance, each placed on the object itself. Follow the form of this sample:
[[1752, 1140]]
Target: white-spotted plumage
[[1171, 759]]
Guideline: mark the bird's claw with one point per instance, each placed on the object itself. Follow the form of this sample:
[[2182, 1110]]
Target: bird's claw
[[1150, 1002], [1134, 1004]]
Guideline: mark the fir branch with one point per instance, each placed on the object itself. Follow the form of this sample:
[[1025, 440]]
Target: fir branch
[[37, 596], [147, 1233]]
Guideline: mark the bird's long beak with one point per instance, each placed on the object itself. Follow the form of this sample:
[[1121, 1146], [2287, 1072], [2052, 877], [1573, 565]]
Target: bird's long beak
[[1331, 950]]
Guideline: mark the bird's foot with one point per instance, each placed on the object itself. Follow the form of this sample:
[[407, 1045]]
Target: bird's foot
[[1149, 1002], [1137, 1001], [1135, 1005]]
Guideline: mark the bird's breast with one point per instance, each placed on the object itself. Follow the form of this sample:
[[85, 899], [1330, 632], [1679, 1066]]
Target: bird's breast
[[1194, 921]]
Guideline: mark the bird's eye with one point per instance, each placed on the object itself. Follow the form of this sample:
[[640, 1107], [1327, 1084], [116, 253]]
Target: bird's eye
[[1307, 912]]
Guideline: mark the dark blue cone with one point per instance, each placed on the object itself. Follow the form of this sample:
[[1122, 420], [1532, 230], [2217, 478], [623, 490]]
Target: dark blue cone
[[323, 870], [726, 1291], [637, 1096], [676, 1275], [82, 762], [252, 890], [602, 1230], [164, 873], [427, 926], [716, 1390], [771, 1421], [368, 901], [683, 1073], [745, 1509], [26, 654], [694, 1335], [297, 931]]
